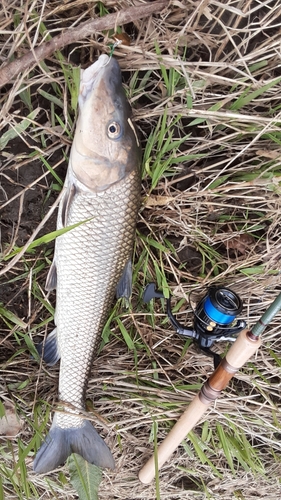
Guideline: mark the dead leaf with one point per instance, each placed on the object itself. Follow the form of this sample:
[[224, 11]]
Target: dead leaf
[[158, 200], [123, 37], [10, 423], [268, 154], [241, 242]]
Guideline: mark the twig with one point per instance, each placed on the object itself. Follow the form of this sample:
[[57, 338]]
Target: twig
[[9, 71]]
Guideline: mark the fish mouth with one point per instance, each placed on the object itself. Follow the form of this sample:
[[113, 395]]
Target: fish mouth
[[104, 70]]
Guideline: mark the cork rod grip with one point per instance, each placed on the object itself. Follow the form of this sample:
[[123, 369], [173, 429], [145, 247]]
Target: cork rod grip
[[239, 353], [187, 421], [243, 349]]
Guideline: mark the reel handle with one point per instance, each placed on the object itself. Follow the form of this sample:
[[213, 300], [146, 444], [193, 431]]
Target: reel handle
[[150, 293]]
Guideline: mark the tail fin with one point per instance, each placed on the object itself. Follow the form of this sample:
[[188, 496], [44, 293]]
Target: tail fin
[[60, 443]]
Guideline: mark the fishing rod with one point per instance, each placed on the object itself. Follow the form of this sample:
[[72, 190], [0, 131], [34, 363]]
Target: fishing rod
[[246, 344]]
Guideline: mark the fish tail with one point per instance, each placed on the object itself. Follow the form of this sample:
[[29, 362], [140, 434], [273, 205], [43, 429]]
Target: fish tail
[[60, 443]]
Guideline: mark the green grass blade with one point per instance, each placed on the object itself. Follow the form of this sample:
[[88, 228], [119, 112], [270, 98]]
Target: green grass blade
[[226, 446], [47, 238], [84, 477], [11, 317], [17, 129], [246, 99], [54, 174], [126, 336]]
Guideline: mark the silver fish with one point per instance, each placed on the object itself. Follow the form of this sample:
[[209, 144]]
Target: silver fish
[[92, 262]]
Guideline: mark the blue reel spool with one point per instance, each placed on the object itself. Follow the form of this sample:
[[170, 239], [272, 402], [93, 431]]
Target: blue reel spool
[[222, 305], [215, 312]]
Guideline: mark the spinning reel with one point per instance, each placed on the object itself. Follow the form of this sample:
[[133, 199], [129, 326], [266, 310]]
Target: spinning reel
[[214, 317]]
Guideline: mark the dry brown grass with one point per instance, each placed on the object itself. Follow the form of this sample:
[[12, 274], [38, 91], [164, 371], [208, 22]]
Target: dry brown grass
[[224, 51]]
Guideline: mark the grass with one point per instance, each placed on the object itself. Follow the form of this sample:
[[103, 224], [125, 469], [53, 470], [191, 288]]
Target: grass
[[205, 88]]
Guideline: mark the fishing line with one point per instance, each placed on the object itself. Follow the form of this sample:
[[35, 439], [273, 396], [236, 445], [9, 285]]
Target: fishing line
[[112, 47]]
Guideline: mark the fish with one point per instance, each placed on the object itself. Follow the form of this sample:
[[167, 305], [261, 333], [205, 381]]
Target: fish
[[93, 261]]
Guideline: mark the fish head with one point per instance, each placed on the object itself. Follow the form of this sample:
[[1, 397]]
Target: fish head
[[105, 147]]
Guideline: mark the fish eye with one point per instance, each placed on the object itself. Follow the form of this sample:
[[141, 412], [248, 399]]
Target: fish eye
[[114, 130]]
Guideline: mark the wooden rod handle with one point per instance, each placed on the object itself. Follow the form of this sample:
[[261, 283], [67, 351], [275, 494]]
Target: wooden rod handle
[[187, 421], [239, 353]]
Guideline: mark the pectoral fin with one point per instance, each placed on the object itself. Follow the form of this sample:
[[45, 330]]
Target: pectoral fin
[[51, 281], [124, 287], [66, 202]]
